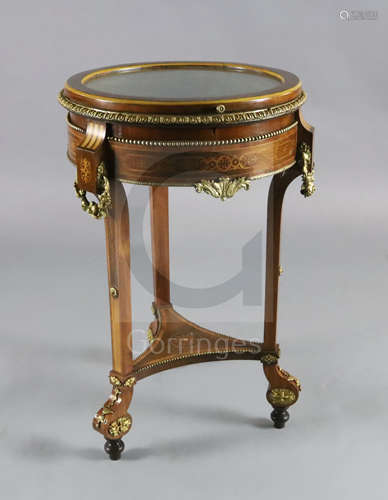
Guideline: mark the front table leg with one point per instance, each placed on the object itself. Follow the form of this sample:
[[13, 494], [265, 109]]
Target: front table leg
[[113, 420]]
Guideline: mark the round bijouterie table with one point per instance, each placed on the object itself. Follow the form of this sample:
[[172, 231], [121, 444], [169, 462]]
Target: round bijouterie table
[[211, 126]]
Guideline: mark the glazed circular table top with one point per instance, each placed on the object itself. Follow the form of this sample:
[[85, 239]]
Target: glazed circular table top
[[174, 83], [183, 123], [180, 87]]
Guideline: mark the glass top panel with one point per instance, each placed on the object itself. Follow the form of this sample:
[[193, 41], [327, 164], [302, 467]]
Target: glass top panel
[[182, 83]]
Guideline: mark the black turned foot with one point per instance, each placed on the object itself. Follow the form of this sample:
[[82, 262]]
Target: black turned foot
[[114, 448], [279, 417]]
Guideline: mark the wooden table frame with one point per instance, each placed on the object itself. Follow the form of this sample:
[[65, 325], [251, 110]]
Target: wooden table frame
[[280, 143]]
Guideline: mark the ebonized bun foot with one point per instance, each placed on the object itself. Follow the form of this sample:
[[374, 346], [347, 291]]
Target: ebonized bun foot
[[279, 417], [114, 448]]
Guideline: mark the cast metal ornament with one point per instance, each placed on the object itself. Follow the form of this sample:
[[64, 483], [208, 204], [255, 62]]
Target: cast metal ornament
[[281, 397], [308, 186], [120, 426], [97, 210], [150, 336], [222, 188], [107, 409], [269, 359], [116, 382], [291, 378]]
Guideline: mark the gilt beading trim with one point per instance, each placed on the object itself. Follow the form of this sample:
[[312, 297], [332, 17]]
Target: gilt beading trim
[[193, 355], [190, 143], [182, 120]]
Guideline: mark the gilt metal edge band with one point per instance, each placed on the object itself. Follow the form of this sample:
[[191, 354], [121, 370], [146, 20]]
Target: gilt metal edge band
[[185, 120], [192, 143]]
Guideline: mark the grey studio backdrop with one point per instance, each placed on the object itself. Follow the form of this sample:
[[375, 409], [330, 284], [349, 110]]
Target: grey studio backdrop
[[202, 431]]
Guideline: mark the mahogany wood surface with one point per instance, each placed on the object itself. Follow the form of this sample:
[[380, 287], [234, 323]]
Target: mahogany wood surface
[[119, 279], [160, 244]]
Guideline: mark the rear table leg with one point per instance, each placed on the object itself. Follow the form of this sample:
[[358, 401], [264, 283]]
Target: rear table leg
[[160, 252]]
